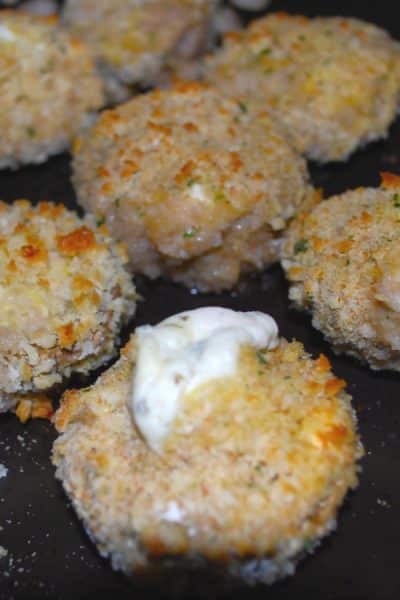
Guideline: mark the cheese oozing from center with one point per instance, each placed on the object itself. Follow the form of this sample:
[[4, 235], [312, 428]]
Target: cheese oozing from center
[[184, 351]]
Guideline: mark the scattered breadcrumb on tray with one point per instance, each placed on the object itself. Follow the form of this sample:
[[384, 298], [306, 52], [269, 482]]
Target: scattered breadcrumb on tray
[[34, 407]]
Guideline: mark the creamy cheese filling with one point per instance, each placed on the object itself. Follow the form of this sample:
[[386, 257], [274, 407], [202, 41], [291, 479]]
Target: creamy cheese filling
[[6, 34], [184, 351]]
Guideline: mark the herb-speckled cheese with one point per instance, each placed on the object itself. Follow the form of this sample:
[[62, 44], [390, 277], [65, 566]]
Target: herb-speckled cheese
[[185, 351]]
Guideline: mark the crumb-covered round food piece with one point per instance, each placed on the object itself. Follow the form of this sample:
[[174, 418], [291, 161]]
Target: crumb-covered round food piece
[[199, 187], [343, 262], [334, 82], [65, 293], [136, 41], [48, 88], [249, 480]]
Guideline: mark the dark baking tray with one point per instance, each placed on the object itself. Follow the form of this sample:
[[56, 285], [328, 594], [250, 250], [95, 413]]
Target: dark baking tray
[[49, 555]]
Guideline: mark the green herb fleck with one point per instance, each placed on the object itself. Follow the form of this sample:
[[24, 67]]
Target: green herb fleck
[[189, 233], [31, 131], [261, 357], [100, 221], [219, 196], [258, 467], [191, 182], [300, 246], [117, 202], [243, 107], [308, 545], [302, 38], [49, 66], [139, 211], [396, 200], [264, 52]]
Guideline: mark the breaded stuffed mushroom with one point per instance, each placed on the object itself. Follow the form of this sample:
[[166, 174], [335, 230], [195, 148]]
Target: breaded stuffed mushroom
[[198, 186], [212, 448], [333, 82], [65, 293], [343, 263], [138, 41], [48, 88]]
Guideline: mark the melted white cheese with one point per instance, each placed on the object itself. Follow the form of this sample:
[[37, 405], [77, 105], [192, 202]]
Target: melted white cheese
[[6, 34], [185, 351], [197, 192]]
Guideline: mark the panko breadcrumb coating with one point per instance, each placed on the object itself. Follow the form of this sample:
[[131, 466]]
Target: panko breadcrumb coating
[[65, 293], [240, 496], [137, 41], [197, 186], [48, 88], [343, 262], [334, 82]]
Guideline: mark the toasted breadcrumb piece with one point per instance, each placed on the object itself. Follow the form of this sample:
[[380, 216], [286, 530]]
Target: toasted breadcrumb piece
[[34, 407]]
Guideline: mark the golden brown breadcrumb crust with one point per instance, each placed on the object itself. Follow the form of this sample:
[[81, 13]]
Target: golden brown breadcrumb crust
[[342, 259], [141, 41], [252, 483], [198, 186], [65, 293], [48, 88], [334, 82]]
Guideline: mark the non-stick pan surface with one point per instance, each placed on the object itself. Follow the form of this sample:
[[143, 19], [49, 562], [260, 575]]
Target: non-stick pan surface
[[49, 554]]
